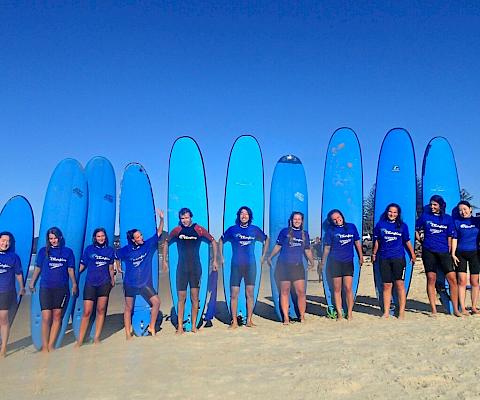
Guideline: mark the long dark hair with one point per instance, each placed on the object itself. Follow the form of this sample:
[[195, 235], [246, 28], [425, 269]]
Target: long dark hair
[[290, 226], [130, 234], [94, 241], [329, 218], [182, 211], [58, 234], [249, 212], [398, 220], [12, 240]]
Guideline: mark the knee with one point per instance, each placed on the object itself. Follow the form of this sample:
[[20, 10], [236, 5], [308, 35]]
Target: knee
[[4, 319], [155, 301], [57, 316], [249, 292], [234, 294], [388, 286], [87, 312], [431, 280], [285, 291], [101, 309], [128, 308]]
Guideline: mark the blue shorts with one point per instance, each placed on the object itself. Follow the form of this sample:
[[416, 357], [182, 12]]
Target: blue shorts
[[247, 272]]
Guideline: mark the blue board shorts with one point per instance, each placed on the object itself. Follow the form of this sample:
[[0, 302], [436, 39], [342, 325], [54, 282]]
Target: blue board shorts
[[247, 272]]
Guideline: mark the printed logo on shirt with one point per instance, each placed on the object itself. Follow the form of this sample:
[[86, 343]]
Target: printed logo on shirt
[[466, 226], [185, 237], [296, 242], [4, 268], [436, 228], [244, 240], [138, 260], [390, 236], [56, 262], [100, 261], [344, 238]]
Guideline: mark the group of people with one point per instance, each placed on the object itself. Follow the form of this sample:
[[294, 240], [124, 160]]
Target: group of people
[[449, 243]]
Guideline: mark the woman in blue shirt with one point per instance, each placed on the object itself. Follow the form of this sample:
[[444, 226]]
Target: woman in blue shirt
[[390, 237], [438, 231], [340, 239], [465, 251], [293, 244], [56, 264], [243, 236], [10, 269], [97, 259]]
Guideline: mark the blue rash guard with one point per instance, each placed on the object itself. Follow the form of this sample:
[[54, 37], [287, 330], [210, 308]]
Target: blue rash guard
[[292, 248], [97, 260], [10, 265], [467, 230], [138, 262], [391, 238], [243, 243], [341, 240], [55, 266], [436, 229]]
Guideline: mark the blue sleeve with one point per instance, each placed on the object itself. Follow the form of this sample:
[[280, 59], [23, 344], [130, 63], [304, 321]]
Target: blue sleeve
[[227, 236], [84, 257], [153, 242], [328, 237], [40, 258], [281, 238], [405, 233], [260, 235], [70, 259], [452, 231], [18, 265], [419, 223], [356, 236], [307, 241], [119, 253], [376, 232]]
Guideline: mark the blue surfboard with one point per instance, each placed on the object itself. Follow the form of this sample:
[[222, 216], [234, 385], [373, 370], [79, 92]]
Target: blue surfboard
[[137, 211], [439, 176], [288, 193], [396, 183], [244, 187], [65, 207], [187, 188], [343, 190], [101, 214], [16, 217]]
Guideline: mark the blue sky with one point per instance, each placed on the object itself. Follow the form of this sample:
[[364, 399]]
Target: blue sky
[[124, 81]]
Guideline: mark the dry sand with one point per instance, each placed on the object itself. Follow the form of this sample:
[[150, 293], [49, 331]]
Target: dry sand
[[366, 358]]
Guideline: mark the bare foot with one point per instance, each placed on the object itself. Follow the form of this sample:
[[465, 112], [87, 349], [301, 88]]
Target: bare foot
[[179, 331], [474, 311], [458, 314], [129, 336], [386, 316], [44, 350], [233, 325], [194, 330], [250, 324], [3, 354], [286, 322], [401, 315], [465, 313], [96, 341], [151, 331], [77, 345]]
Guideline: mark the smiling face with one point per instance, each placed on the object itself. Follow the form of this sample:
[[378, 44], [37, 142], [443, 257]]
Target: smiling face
[[465, 211], [434, 207], [392, 213], [53, 240], [297, 221], [100, 238], [4, 242], [186, 219], [244, 217], [138, 238], [337, 219]]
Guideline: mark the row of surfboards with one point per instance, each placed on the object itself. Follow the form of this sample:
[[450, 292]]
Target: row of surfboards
[[79, 200]]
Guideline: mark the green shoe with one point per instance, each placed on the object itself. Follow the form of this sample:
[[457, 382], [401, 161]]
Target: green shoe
[[331, 312]]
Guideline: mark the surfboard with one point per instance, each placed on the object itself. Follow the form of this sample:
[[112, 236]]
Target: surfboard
[[101, 214], [396, 183], [187, 188], [65, 207], [439, 176], [288, 193], [137, 211], [16, 217], [343, 190], [244, 187]]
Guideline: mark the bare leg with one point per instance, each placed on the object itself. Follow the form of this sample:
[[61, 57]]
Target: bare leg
[[100, 317], [299, 286], [87, 313], [452, 281], [155, 302], [249, 291], [337, 295], [234, 290], [56, 324], [127, 317], [4, 331], [194, 299], [474, 283], [182, 295], [46, 323], [462, 290], [285, 300], [347, 285], [402, 298], [387, 299], [431, 292]]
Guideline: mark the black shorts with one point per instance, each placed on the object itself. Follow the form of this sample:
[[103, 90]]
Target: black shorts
[[246, 272], [146, 292], [337, 269], [432, 261], [53, 298], [188, 275], [470, 257], [7, 299], [94, 292], [290, 272], [392, 269]]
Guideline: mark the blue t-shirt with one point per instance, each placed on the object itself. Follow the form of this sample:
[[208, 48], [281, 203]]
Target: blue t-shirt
[[97, 260], [293, 248], [55, 267], [243, 243], [341, 240], [138, 262], [467, 233], [391, 238], [436, 230], [10, 265]]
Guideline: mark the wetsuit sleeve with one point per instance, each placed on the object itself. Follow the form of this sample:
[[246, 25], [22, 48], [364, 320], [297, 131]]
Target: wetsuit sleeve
[[174, 233], [356, 236], [18, 265], [202, 232], [40, 258], [307, 241], [405, 233], [70, 259]]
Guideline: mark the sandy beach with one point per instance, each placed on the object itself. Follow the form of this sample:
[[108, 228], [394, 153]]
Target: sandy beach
[[368, 357]]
